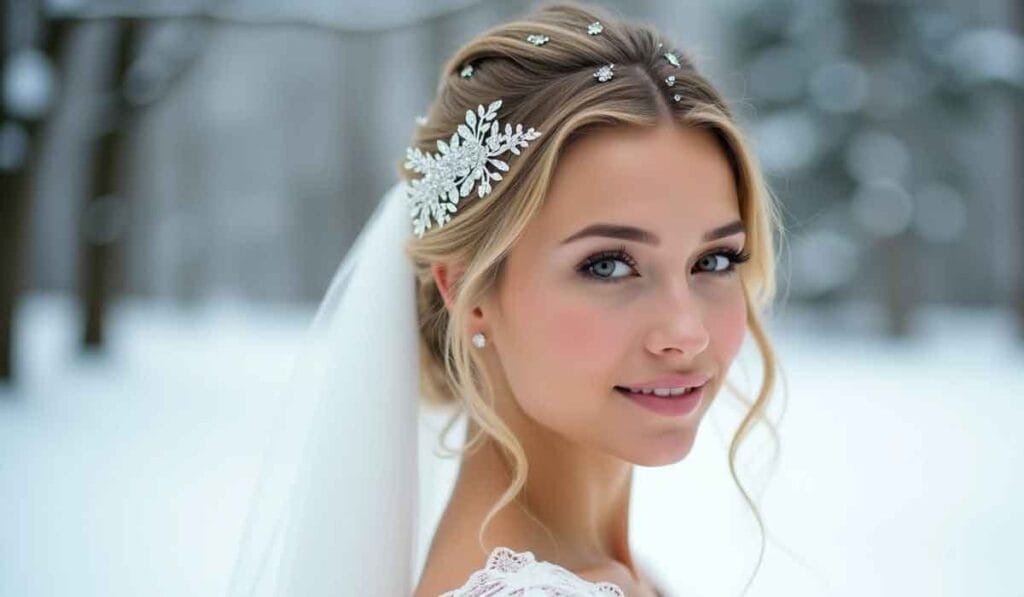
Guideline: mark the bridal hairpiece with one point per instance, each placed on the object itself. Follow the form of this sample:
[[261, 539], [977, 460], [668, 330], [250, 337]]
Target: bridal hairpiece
[[450, 173]]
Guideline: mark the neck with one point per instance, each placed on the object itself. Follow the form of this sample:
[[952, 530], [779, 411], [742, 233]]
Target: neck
[[580, 496]]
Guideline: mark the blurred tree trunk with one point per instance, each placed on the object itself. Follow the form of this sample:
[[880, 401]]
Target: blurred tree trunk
[[15, 183], [875, 37], [1017, 228], [12, 227], [101, 216], [899, 287]]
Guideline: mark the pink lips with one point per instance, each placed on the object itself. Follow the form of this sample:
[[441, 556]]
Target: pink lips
[[671, 381], [667, 405]]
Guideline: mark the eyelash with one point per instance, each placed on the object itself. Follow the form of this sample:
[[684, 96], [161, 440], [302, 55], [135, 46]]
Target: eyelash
[[735, 258]]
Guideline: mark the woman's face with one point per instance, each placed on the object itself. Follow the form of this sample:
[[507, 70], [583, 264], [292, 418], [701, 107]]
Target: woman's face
[[566, 331]]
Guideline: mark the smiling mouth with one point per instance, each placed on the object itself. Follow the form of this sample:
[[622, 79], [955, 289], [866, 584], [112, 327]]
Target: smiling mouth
[[628, 392], [677, 405]]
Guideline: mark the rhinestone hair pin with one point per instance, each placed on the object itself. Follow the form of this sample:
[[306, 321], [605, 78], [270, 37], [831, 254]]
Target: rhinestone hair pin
[[473, 150], [451, 173]]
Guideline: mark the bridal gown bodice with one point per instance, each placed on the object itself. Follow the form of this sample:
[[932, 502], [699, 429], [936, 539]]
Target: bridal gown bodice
[[508, 572]]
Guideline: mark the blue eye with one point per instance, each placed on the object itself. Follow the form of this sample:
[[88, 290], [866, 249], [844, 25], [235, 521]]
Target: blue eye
[[602, 266], [596, 266], [731, 258]]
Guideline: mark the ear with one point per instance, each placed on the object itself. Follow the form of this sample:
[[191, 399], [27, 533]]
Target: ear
[[445, 277]]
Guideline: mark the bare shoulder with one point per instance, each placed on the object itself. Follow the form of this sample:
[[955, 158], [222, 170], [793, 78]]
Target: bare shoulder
[[448, 569]]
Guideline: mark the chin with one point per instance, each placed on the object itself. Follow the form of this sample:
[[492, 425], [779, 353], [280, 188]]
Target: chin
[[670, 449]]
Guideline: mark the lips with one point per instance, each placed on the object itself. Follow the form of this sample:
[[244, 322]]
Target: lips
[[631, 392], [682, 404], [675, 380]]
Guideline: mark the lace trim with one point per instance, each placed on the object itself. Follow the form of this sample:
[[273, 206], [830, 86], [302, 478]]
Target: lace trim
[[508, 572]]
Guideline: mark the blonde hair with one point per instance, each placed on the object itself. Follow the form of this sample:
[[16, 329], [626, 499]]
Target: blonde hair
[[551, 87]]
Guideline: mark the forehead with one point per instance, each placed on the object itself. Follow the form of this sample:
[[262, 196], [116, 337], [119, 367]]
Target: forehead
[[669, 179]]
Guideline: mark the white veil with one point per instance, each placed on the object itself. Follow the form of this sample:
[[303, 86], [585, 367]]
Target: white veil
[[336, 508]]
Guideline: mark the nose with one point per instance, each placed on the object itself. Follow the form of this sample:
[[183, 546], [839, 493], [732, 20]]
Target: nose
[[678, 323]]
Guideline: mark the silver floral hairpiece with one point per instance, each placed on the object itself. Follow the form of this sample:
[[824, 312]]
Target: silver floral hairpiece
[[451, 172]]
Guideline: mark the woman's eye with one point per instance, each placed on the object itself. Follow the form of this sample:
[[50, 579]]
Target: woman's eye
[[723, 261], [715, 263], [608, 267], [615, 266]]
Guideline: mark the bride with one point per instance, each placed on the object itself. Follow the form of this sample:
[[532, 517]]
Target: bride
[[580, 241]]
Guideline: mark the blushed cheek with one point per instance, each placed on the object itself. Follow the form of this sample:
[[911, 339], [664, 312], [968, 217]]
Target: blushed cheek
[[571, 337], [729, 329], [567, 353], [574, 334]]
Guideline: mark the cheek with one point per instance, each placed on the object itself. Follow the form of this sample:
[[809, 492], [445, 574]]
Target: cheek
[[727, 327], [574, 338], [577, 333], [564, 349]]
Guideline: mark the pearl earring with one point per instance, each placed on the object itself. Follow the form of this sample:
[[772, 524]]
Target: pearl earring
[[479, 340]]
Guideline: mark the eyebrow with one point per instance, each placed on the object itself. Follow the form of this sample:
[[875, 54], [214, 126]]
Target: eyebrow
[[645, 236]]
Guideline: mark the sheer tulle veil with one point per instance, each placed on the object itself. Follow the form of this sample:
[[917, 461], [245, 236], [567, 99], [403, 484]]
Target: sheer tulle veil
[[335, 510]]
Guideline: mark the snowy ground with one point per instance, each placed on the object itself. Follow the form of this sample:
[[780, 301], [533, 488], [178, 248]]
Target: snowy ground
[[901, 471]]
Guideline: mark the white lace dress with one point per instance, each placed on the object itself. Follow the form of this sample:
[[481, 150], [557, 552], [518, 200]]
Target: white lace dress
[[520, 574]]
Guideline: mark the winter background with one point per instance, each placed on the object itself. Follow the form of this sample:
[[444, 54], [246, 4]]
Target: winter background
[[180, 180]]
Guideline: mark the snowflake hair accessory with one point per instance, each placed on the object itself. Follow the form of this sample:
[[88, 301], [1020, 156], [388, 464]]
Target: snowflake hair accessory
[[604, 73], [451, 173]]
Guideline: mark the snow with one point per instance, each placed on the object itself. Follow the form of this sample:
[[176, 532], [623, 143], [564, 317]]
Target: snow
[[127, 472]]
